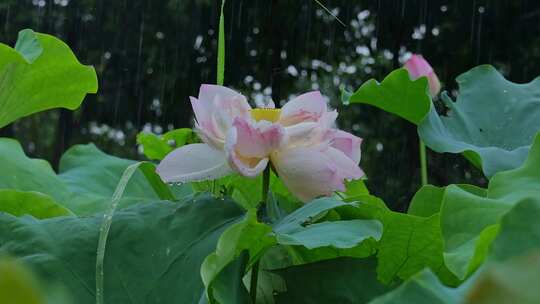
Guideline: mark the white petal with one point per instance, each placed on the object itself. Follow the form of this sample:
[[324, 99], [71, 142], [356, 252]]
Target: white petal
[[207, 93], [306, 107], [307, 172], [193, 162]]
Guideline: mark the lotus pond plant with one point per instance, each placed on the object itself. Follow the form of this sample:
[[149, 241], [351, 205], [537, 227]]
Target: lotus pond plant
[[268, 205]]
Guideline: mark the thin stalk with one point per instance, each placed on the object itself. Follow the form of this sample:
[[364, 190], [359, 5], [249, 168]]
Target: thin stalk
[[106, 226], [254, 281], [265, 186], [220, 67], [255, 268], [221, 47], [423, 163]]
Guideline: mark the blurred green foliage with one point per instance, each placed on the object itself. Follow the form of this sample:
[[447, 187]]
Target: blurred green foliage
[[151, 55]]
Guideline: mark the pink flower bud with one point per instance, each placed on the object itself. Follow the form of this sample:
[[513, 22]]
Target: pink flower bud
[[417, 67]]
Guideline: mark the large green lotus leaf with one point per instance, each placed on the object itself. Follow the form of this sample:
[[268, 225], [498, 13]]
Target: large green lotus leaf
[[154, 250], [87, 180], [22, 173], [307, 242], [493, 122], [408, 245], [337, 234], [301, 227], [41, 73], [308, 214], [342, 280], [33, 203], [470, 222], [92, 176], [396, 94], [317, 235], [519, 231], [86, 169], [427, 201], [300, 255], [423, 288], [409, 242], [513, 281]]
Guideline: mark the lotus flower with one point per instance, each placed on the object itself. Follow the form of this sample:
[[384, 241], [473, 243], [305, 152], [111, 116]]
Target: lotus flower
[[417, 67], [309, 154]]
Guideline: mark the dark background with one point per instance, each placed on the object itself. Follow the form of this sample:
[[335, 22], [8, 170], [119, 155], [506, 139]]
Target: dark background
[[150, 55]]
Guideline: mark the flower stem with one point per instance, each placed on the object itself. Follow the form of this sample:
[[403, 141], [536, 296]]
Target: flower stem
[[255, 268], [221, 47], [423, 163], [254, 281], [265, 186]]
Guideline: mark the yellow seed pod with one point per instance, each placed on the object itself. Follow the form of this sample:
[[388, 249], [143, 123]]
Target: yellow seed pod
[[271, 115]]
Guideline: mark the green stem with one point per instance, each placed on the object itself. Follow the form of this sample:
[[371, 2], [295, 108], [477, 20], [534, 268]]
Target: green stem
[[265, 186], [254, 281], [255, 268], [221, 47], [423, 163]]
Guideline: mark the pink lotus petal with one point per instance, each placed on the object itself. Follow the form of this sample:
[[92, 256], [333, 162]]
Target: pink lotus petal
[[346, 143], [193, 163], [227, 109], [306, 107], [312, 133], [249, 144], [215, 109], [201, 109], [304, 134], [310, 172], [208, 92], [205, 124], [250, 167], [328, 119], [434, 84], [347, 168], [255, 139]]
